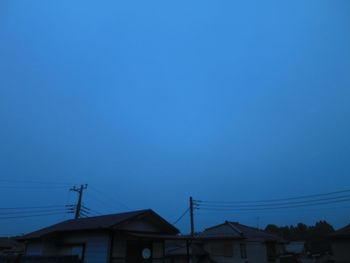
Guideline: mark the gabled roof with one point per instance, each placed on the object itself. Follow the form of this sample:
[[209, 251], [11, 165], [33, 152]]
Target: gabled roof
[[112, 221], [236, 230], [342, 233]]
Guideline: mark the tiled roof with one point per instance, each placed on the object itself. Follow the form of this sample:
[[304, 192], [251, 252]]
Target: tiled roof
[[235, 230], [98, 222]]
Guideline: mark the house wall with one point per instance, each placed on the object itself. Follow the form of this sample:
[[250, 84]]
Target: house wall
[[235, 247], [120, 248], [341, 250], [96, 246], [34, 249], [256, 252]]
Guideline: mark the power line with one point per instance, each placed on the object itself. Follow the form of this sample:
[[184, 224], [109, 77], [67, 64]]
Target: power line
[[97, 199], [32, 187], [30, 207], [31, 212], [275, 200], [67, 202], [108, 198], [225, 205], [272, 208], [96, 212], [34, 182], [182, 215], [306, 209], [26, 216], [85, 211]]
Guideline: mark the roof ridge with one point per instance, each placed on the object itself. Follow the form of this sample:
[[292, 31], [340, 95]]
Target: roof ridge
[[234, 228], [215, 226], [108, 215], [251, 227]]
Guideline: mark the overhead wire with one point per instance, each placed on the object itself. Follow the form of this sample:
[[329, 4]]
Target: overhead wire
[[96, 213], [33, 215], [30, 207], [109, 197], [273, 208], [181, 216], [103, 199], [34, 182], [31, 212], [275, 204], [17, 212], [96, 200], [276, 200]]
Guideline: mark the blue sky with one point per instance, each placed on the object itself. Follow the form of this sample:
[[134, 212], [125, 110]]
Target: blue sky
[[153, 101]]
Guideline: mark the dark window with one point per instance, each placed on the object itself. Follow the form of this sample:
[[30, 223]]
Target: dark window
[[243, 250], [74, 250], [271, 251]]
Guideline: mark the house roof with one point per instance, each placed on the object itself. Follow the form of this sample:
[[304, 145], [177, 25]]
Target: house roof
[[235, 230], [112, 221], [342, 232]]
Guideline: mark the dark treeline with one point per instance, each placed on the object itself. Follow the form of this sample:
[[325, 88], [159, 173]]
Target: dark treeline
[[316, 237], [302, 231]]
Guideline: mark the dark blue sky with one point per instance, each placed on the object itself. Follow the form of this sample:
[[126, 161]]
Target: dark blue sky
[[154, 101]]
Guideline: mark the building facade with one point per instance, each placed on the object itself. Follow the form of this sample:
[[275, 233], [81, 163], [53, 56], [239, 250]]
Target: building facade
[[132, 237]]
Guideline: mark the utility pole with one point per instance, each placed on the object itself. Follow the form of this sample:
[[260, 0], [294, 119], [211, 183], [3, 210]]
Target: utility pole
[[191, 216], [190, 257], [80, 192]]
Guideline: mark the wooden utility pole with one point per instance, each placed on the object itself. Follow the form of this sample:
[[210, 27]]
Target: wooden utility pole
[[191, 216], [190, 255], [80, 198]]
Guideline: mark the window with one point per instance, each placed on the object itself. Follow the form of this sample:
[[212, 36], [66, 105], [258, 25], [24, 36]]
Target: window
[[73, 250], [78, 251], [158, 250], [119, 248], [271, 251], [243, 250]]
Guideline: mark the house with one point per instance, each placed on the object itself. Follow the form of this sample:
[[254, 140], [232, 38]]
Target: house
[[237, 243], [9, 246], [340, 243], [136, 236]]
